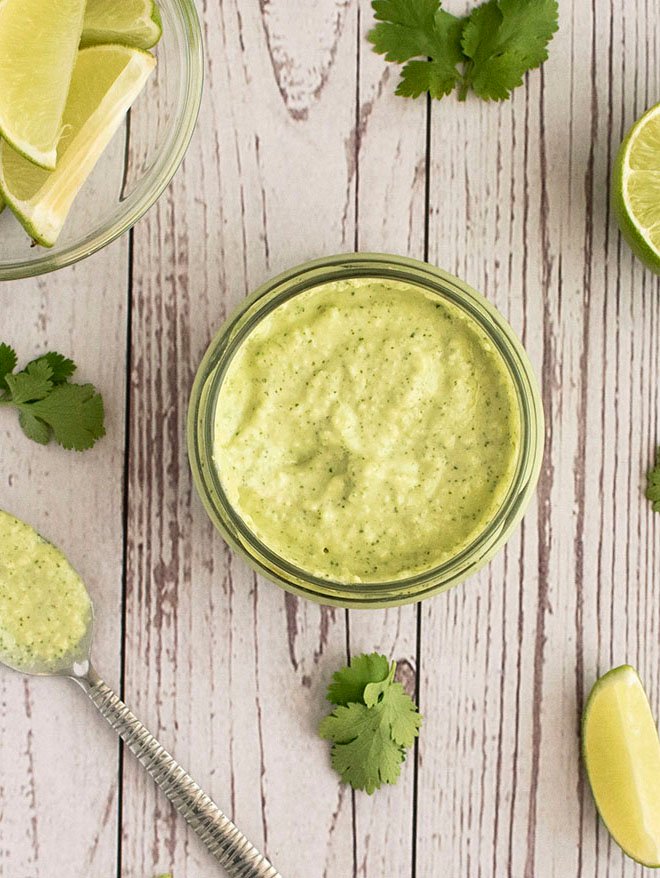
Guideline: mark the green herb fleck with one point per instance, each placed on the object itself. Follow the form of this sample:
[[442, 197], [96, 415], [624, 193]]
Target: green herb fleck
[[48, 405], [373, 724], [653, 483]]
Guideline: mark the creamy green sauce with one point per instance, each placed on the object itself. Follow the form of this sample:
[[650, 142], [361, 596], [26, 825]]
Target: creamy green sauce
[[366, 431], [45, 611]]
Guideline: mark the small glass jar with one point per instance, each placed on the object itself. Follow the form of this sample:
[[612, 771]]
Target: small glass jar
[[211, 373]]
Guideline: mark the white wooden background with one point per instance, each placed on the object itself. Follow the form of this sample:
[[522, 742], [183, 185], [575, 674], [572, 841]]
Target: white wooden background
[[303, 150]]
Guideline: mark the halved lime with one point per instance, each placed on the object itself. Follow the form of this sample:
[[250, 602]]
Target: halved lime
[[106, 81], [130, 22], [636, 188], [622, 756], [38, 48]]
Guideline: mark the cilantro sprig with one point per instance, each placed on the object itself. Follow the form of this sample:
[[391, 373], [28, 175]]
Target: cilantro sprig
[[653, 483], [488, 51], [373, 724], [50, 406]]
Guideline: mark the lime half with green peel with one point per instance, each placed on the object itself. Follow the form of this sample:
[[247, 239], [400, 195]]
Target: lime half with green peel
[[134, 23], [622, 756], [38, 48], [636, 188], [106, 81]]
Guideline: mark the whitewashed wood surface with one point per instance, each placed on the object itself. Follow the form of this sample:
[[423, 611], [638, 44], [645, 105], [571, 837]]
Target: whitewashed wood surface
[[303, 150]]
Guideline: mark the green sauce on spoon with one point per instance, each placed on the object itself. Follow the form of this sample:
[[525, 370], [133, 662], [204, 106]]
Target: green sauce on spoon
[[45, 612]]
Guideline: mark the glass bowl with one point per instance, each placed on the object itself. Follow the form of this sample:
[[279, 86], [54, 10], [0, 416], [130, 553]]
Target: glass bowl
[[201, 417], [133, 172]]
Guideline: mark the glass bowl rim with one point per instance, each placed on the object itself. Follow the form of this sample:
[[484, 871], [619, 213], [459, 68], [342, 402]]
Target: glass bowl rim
[[54, 260], [209, 377]]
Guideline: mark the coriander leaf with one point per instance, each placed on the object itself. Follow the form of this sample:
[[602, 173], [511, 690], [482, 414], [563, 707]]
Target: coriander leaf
[[8, 362], [653, 486], [401, 714], [373, 725], [373, 692], [419, 29], [33, 427], [528, 26], [33, 383], [420, 76], [349, 684], [503, 40], [75, 413], [363, 753], [406, 28], [48, 405], [62, 368]]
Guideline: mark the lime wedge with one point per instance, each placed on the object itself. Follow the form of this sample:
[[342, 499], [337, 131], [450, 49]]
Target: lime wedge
[[622, 755], [636, 188], [130, 22], [38, 47], [106, 81]]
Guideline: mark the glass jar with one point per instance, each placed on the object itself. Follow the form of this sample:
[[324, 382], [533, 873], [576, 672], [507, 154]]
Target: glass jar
[[201, 419]]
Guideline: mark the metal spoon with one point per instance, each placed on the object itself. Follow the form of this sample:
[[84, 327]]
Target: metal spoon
[[223, 839]]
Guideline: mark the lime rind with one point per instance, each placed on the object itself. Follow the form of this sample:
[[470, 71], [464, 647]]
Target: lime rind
[[135, 23], [614, 677], [41, 200], [636, 188], [38, 47]]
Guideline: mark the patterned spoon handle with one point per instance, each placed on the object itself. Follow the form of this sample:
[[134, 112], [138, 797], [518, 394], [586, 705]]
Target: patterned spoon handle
[[224, 840]]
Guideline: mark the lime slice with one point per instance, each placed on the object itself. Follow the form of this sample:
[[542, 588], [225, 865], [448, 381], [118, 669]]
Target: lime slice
[[106, 81], [130, 22], [636, 188], [622, 755], [38, 46]]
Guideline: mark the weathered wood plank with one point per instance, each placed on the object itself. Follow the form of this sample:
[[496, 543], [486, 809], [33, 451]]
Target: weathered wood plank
[[507, 659], [390, 150], [58, 760], [229, 671]]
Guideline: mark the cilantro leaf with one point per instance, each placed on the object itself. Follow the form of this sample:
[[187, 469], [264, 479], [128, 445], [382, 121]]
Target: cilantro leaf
[[370, 732], [653, 486], [62, 368], [48, 404], [503, 40], [400, 714], [489, 52], [75, 413], [8, 362], [32, 384], [406, 28], [348, 684], [419, 29], [33, 427], [363, 753]]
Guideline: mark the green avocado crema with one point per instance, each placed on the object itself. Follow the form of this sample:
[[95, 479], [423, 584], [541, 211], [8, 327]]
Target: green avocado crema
[[366, 430], [45, 611]]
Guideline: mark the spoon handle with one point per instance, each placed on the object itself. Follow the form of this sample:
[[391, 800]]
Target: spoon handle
[[223, 839]]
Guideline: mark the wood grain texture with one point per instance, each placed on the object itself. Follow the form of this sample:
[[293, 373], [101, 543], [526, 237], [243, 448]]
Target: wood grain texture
[[513, 653], [302, 150], [58, 763], [229, 670]]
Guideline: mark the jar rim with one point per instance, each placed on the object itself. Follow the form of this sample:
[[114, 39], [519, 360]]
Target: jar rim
[[240, 324]]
